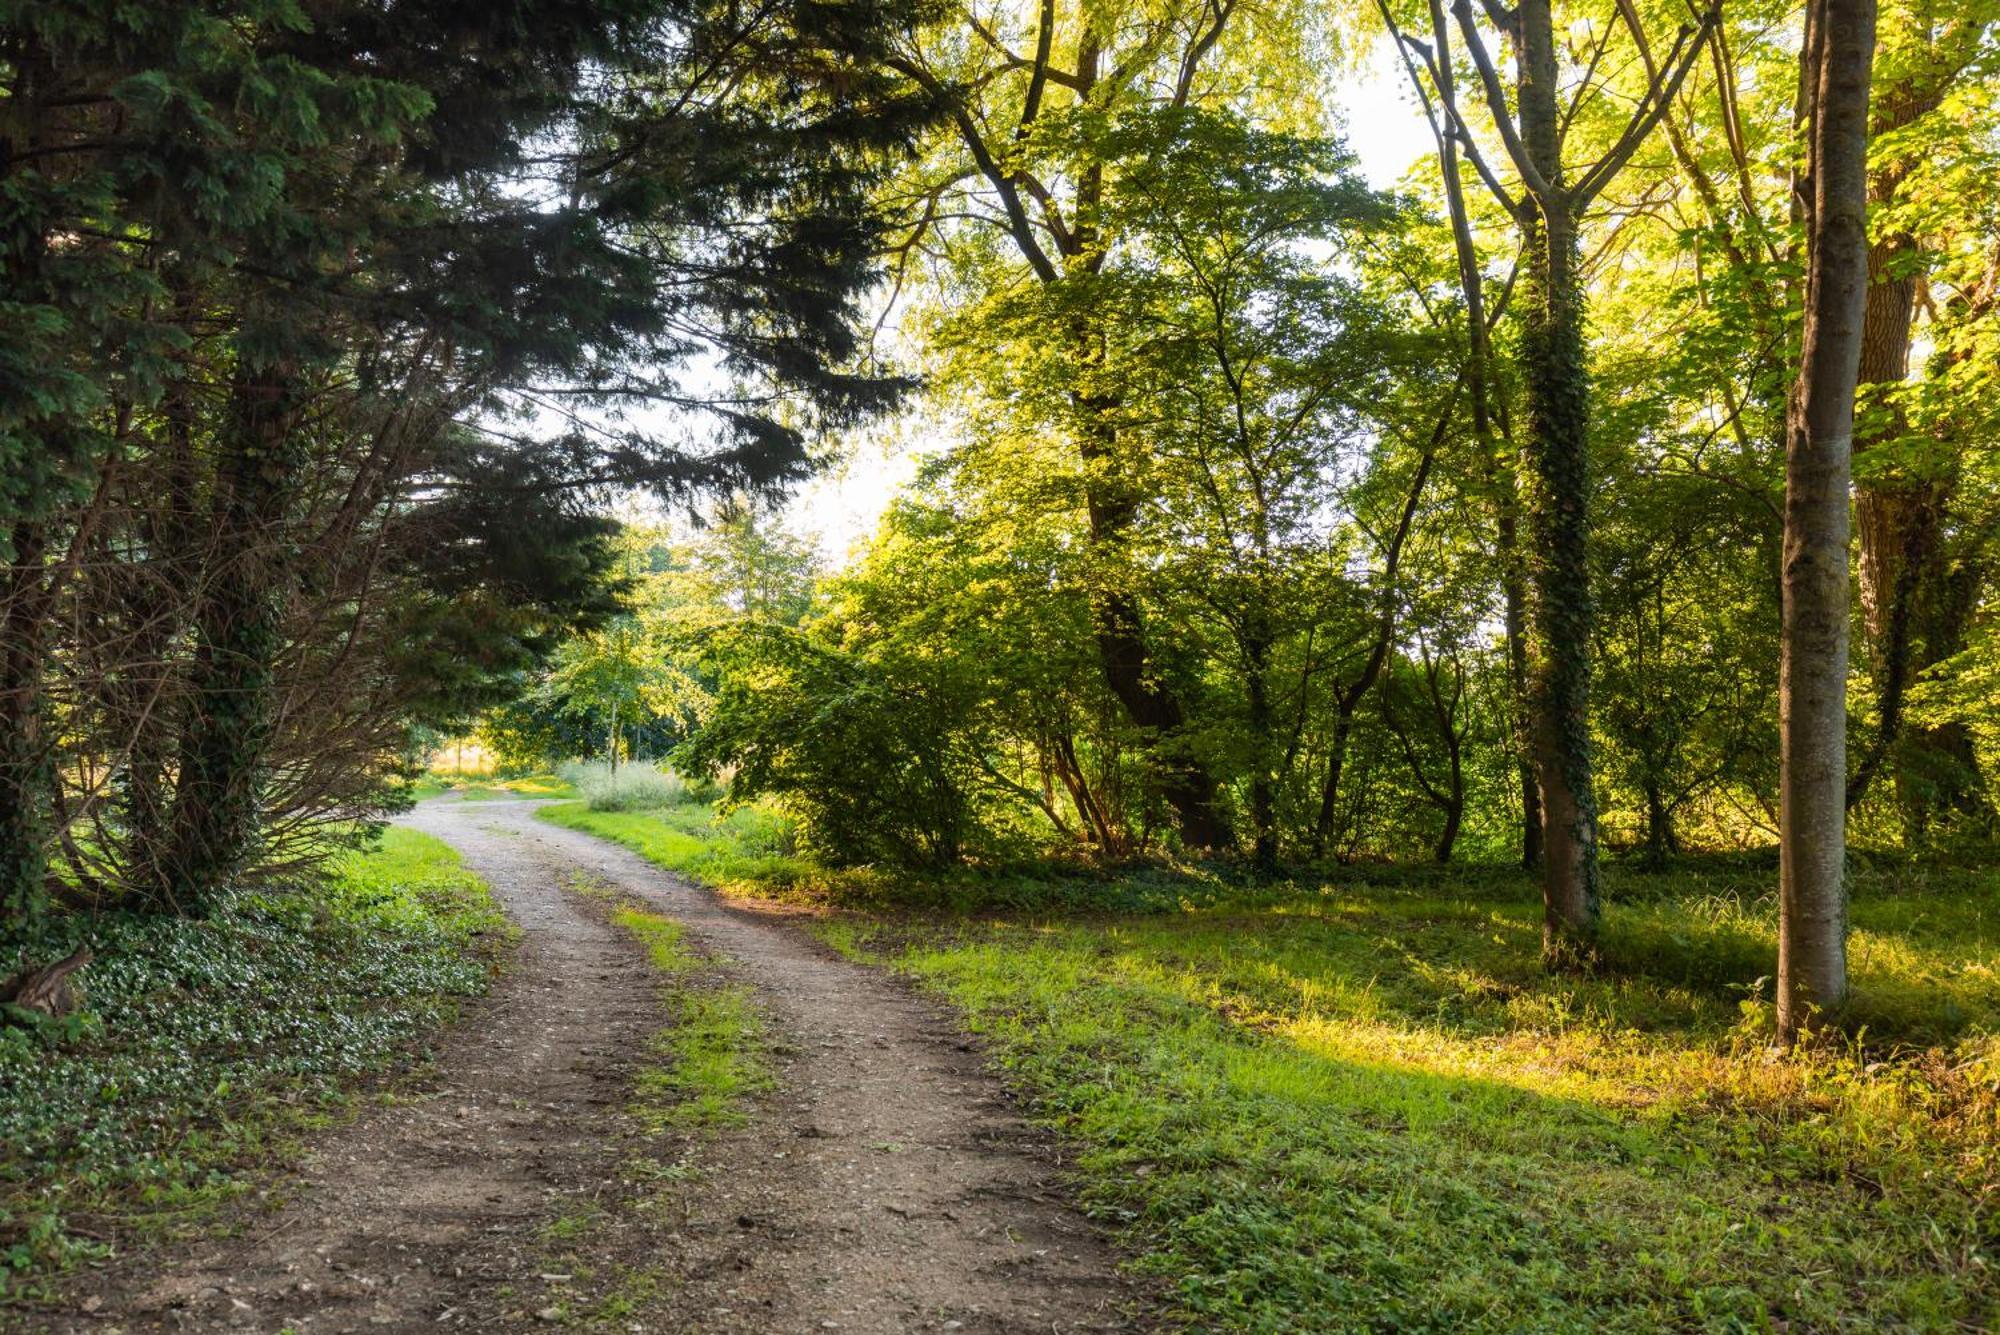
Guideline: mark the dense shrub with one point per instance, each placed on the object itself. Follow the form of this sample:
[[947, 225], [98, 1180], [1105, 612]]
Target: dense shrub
[[875, 757]]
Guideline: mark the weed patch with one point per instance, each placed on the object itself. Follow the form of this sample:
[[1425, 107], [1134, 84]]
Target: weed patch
[[708, 1061]]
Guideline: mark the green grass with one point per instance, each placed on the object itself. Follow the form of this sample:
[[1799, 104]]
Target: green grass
[[743, 850], [477, 789], [204, 1044], [1360, 1104], [708, 1061]]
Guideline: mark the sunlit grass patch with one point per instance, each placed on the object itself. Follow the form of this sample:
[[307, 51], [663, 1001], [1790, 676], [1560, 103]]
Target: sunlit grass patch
[[746, 850], [486, 789], [1353, 1114]]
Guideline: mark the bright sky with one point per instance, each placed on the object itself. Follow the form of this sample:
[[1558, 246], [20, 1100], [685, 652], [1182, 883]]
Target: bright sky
[[839, 509]]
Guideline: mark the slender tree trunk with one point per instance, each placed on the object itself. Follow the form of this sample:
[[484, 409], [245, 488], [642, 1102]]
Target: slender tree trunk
[[1661, 842], [1557, 504], [158, 609], [611, 739], [1812, 694], [1347, 699], [1445, 711], [1263, 728], [1515, 598], [238, 632], [1454, 805], [1501, 470]]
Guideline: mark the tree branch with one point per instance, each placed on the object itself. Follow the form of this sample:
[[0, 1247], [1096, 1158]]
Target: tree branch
[[1496, 102], [1659, 97]]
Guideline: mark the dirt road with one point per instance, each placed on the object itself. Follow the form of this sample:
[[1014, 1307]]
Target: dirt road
[[884, 1184]]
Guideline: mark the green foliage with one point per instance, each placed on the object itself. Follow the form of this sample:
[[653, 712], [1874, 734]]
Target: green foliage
[[872, 752], [203, 1042]]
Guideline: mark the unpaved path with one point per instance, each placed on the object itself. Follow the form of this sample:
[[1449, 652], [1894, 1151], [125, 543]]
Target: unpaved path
[[886, 1184]]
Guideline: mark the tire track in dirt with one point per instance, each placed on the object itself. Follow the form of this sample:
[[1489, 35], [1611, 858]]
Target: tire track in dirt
[[885, 1184]]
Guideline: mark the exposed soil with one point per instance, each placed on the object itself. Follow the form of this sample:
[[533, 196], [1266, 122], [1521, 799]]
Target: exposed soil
[[885, 1184]]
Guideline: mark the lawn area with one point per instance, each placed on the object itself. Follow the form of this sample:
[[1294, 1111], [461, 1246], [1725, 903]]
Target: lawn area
[[203, 1044], [1362, 1104], [490, 790]]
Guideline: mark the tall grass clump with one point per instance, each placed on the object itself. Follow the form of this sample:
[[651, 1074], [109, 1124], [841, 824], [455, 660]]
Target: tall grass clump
[[636, 786]]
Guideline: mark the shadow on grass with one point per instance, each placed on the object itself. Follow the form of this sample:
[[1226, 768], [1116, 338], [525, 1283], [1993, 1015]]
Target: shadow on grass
[[1297, 1152]]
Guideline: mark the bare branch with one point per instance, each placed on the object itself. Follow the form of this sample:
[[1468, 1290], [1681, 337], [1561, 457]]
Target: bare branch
[[1660, 93]]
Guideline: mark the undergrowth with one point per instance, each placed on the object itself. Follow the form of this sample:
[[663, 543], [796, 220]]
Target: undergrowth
[[202, 1043]]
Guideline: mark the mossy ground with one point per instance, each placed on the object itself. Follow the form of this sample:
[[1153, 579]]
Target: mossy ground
[[1360, 1103]]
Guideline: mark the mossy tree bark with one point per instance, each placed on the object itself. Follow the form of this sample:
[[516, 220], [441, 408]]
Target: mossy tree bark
[[1837, 57], [238, 628], [1556, 451]]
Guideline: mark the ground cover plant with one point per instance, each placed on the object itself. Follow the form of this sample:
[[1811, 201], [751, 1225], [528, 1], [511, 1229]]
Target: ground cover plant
[[202, 1045], [1364, 1096]]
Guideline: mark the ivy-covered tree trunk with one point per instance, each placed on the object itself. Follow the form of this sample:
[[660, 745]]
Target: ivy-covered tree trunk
[[1837, 58], [226, 730], [1557, 504]]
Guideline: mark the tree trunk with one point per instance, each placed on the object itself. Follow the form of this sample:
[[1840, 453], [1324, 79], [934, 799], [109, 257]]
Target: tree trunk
[[1661, 841], [1501, 470], [27, 766], [1150, 703], [1515, 596], [237, 637], [1812, 694], [1557, 505], [157, 608], [1263, 779]]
